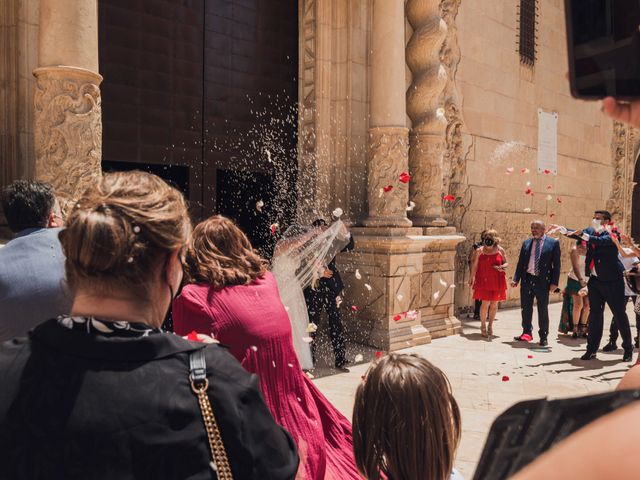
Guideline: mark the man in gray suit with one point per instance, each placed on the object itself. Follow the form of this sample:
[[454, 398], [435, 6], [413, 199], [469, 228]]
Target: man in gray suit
[[32, 286]]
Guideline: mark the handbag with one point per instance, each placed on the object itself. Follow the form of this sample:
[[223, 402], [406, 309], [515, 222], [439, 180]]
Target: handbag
[[199, 385]]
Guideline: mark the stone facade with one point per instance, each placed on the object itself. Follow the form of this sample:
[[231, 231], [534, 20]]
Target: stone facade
[[462, 111], [500, 98]]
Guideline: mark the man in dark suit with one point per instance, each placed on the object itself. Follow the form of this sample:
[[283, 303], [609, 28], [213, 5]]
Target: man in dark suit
[[606, 283], [538, 273], [32, 274], [325, 297]]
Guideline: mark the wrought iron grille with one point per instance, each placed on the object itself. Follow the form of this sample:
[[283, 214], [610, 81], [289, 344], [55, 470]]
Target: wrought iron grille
[[528, 26]]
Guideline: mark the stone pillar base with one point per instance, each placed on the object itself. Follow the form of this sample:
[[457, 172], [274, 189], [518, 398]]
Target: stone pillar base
[[400, 269], [68, 129]]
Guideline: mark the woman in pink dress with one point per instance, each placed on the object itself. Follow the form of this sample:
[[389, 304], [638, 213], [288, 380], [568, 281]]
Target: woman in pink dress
[[234, 298]]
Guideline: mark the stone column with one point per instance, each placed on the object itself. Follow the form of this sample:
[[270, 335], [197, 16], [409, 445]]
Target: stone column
[[426, 110], [388, 136], [68, 123]]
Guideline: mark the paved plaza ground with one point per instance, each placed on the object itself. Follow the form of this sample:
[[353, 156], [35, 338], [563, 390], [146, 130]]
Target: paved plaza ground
[[475, 367]]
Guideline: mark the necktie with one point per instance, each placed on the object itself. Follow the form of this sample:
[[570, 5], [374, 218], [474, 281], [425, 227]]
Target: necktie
[[536, 258]]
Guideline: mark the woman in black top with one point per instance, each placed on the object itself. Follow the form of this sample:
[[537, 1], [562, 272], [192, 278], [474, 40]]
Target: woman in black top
[[104, 393]]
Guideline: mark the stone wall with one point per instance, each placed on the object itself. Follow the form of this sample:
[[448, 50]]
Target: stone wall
[[334, 115], [500, 99], [19, 47]]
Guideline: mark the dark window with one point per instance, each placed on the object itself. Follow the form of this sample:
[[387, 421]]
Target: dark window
[[528, 29]]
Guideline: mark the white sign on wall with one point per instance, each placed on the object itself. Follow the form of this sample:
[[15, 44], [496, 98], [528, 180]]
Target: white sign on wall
[[547, 141]]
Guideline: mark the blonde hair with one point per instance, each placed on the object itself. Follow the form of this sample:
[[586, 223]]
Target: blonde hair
[[220, 254], [493, 235], [406, 423], [121, 230]]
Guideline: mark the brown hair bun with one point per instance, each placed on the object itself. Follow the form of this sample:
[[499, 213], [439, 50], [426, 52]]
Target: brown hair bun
[[121, 230]]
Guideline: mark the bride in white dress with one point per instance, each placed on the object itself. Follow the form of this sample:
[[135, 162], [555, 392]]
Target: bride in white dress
[[300, 258]]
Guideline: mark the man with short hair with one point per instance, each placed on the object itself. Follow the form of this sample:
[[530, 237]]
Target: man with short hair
[[32, 279], [325, 296], [606, 283], [539, 271]]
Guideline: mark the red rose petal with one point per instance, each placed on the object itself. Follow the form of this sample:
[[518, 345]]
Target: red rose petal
[[505, 378], [551, 215], [546, 171], [387, 189], [378, 354], [397, 317], [405, 177], [529, 356], [528, 191], [559, 200], [449, 198], [354, 308], [193, 336], [549, 187]]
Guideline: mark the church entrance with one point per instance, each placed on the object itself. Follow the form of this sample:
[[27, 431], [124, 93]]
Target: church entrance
[[204, 94]]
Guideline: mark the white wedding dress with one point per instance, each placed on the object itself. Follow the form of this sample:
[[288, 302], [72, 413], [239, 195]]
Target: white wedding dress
[[300, 258], [292, 296]]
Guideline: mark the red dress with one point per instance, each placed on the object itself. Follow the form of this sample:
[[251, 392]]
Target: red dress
[[490, 284], [253, 323]]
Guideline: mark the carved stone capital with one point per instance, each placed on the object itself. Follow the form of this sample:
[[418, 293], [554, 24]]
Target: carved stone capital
[[68, 129], [388, 150], [425, 163]]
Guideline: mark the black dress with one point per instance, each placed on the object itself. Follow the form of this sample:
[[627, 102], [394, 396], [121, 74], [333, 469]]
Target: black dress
[[80, 402]]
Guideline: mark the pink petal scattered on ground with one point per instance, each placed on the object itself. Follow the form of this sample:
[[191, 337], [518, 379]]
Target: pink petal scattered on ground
[[529, 356], [505, 378], [528, 191], [546, 171], [354, 308], [405, 177], [509, 170], [524, 170], [378, 354], [559, 200], [397, 317], [449, 198], [387, 189]]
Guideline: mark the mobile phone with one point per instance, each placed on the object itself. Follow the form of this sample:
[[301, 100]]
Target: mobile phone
[[603, 40]]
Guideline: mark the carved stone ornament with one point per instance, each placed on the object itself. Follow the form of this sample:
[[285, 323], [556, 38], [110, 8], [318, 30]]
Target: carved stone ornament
[[424, 107], [307, 113], [388, 196], [68, 129]]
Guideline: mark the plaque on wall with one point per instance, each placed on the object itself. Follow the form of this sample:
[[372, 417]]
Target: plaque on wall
[[547, 142]]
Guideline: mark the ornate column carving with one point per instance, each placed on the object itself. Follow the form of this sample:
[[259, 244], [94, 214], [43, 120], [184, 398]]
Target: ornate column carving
[[68, 121], [425, 108], [388, 135], [68, 129]]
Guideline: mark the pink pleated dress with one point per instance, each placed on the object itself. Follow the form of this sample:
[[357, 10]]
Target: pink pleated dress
[[252, 321]]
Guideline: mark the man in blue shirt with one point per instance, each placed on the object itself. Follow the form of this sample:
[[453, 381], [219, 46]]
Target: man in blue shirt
[[32, 279]]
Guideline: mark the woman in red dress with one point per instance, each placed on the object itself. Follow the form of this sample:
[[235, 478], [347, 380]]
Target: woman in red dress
[[488, 279], [234, 298]]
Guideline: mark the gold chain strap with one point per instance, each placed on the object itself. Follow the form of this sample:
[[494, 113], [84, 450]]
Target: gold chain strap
[[219, 460]]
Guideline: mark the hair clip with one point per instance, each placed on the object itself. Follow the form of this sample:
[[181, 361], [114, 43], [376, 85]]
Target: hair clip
[[136, 229]]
